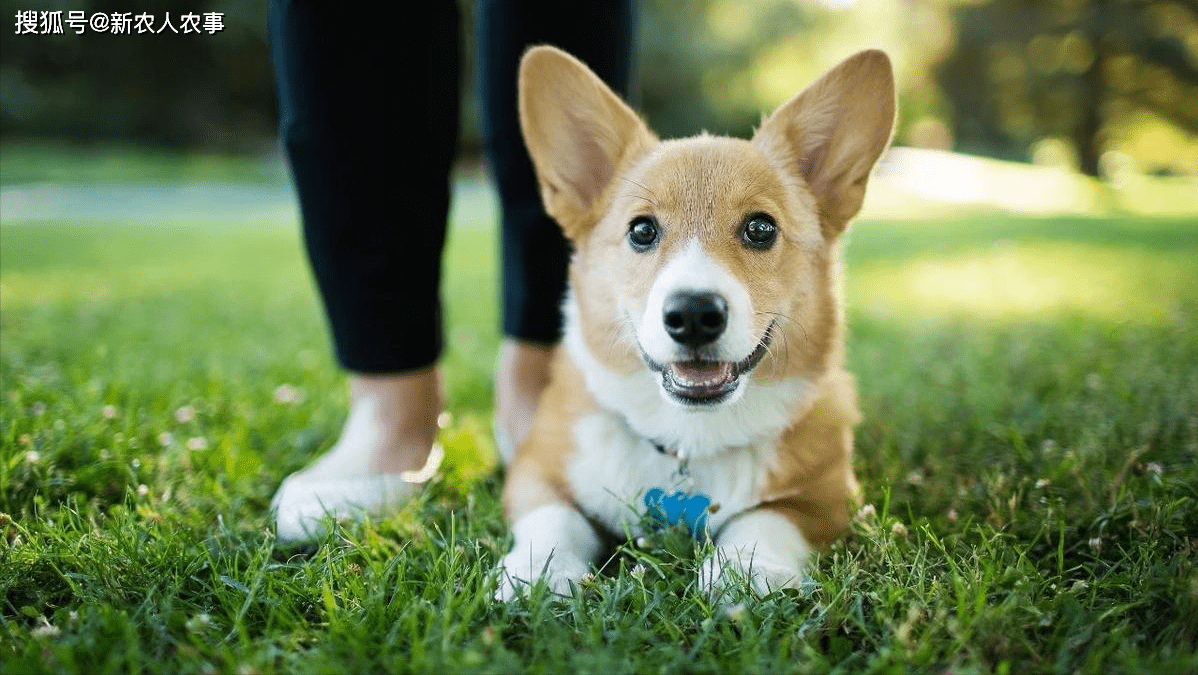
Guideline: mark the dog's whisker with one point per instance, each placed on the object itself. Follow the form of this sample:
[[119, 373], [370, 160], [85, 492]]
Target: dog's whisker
[[617, 335], [780, 347]]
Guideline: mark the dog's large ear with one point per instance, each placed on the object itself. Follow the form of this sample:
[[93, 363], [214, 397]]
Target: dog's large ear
[[579, 135], [833, 132]]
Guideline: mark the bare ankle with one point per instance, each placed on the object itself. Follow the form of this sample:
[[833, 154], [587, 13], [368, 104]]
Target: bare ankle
[[521, 374], [408, 402], [397, 415]]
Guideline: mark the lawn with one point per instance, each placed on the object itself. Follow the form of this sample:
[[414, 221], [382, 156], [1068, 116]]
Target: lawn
[[1029, 454]]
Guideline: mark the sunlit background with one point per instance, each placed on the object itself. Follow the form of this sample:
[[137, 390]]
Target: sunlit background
[[1027, 108]]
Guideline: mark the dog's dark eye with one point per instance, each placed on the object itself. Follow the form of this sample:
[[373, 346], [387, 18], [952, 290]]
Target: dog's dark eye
[[759, 231], [643, 233]]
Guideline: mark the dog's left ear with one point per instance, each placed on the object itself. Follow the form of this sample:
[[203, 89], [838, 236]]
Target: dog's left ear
[[833, 133], [579, 134]]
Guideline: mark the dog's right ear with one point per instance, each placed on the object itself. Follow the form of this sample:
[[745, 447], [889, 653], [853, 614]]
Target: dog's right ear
[[579, 135], [833, 133]]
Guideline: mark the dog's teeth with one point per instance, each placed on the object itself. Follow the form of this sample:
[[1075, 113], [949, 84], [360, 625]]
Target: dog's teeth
[[702, 374]]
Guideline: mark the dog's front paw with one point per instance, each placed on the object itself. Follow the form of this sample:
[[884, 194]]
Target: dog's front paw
[[760, 546], [554, 543], [728, 569], [518, 572]]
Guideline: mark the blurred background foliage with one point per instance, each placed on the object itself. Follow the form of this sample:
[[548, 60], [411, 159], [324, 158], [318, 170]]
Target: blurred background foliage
[[1102, 86]]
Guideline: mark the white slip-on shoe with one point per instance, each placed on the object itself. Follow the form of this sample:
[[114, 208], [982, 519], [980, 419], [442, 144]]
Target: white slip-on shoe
[[305, 497]]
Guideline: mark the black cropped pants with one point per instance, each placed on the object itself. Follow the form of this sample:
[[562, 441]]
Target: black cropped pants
[[369, 117]]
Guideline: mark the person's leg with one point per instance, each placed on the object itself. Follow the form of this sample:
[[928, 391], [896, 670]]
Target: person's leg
[[534, 252], [371, 169]]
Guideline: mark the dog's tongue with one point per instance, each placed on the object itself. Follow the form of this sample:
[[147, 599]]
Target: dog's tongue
[[701, 373]]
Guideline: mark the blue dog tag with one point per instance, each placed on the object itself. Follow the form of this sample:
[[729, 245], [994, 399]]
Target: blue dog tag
[[679, 507]]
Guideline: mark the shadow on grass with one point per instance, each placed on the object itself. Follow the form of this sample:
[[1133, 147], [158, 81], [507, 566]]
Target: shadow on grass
[[877, 241]]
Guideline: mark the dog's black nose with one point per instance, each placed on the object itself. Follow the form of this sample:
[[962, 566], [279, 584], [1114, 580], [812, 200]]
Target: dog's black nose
[[695, 319]]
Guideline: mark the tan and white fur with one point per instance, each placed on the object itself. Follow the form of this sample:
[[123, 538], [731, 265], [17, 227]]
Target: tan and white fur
[[758, 407]]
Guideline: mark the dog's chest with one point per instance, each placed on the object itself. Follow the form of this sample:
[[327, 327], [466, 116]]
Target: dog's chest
[[610, 470]]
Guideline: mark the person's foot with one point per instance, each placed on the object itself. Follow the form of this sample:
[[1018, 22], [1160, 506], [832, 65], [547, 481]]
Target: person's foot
[[385, 451], [521, 373]]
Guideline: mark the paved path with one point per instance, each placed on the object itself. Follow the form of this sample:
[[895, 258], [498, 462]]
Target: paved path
[[908, 183], [205, 203]]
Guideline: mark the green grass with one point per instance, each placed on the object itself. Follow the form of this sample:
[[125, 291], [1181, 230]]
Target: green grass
[[1030, 390]]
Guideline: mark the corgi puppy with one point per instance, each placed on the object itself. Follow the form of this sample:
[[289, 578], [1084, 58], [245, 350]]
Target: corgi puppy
[[699, 380]]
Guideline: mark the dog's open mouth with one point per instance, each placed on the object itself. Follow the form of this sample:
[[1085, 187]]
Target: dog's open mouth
[[702, 382]]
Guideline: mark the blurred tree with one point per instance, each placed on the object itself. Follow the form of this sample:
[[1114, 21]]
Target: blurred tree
[[702, 64], [991, 77], [1023, 70], [700, 60], [211, 90], [720, 64]]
